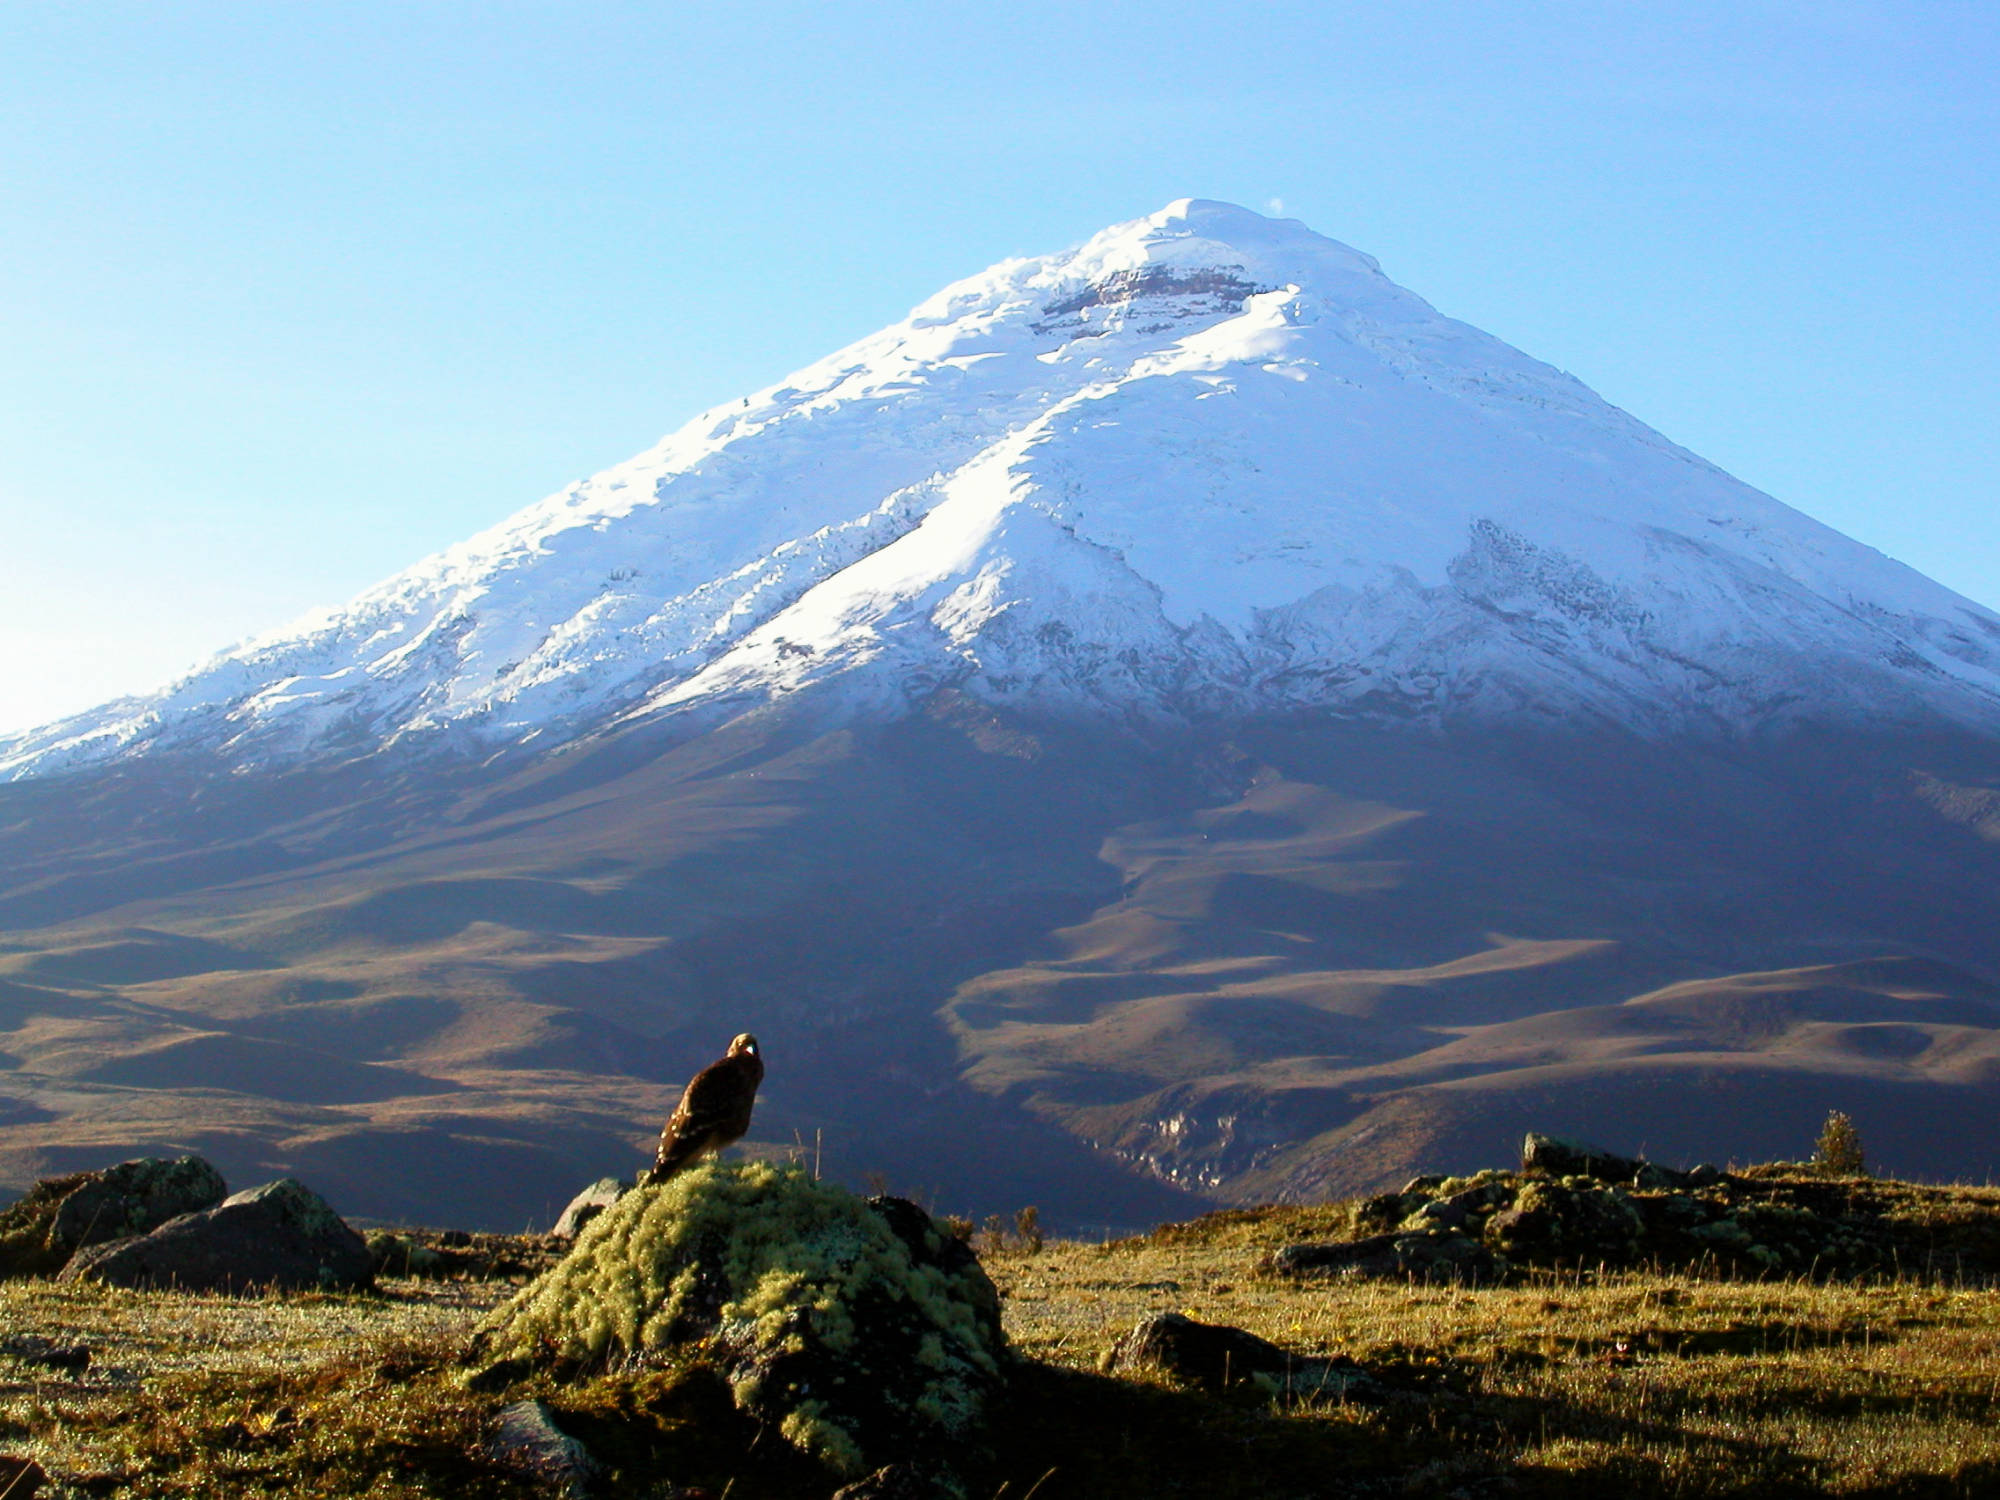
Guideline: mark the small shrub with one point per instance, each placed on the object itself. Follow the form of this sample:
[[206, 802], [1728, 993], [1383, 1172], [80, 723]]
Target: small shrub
[[1028, 1225], [1838, 1149], [957, 1226]]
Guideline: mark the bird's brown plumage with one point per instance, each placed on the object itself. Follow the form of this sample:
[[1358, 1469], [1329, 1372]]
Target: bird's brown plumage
[[714, 1110]]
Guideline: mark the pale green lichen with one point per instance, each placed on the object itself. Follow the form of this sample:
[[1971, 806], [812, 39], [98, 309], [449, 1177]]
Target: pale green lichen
[[752, 1263], [807, 1429]]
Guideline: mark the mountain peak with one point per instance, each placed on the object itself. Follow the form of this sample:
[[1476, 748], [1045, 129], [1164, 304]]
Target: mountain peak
[[1207, 232], [1207, 462]]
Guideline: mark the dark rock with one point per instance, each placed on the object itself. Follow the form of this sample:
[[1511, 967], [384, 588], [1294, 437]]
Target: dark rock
[[1373, 1256], [1444, 1213], [588, 1204], [1553, 1156], [527, 1440], [395, 1254], [280, 1236], [1559, 1225], [1216, 1356], [20, 1478], [1703, 1174], [1207, 1354], [929, 1245], [498, 1375], [62, 1215], [1421, 1257]]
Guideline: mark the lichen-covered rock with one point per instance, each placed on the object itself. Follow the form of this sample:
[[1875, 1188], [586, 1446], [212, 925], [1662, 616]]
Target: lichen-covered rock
[[1782, 1218], [62, 1215], [281, 1236], [1575, 1222], [856, 1328]]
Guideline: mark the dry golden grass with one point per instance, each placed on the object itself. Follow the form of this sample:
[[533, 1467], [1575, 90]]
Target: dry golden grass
[[1638, 1385], [215, 1396], [1654, 1384]]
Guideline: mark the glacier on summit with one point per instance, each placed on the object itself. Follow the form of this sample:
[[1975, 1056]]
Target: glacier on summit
[[1206, 463]]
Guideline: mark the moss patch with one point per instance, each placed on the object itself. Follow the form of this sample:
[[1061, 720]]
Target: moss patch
[[855, 1327]]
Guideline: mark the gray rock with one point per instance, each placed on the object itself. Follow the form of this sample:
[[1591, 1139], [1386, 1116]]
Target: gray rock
[[527, 1440], [281, 1236], [62, 1215], [588, 1204]]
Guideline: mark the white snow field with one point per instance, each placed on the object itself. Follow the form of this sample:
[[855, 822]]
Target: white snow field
[[1207, 463]]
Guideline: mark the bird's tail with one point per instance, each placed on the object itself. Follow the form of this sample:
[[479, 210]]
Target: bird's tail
[[670, 1161]]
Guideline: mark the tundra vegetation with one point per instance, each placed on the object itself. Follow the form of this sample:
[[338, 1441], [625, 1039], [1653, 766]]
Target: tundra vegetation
[[1866, 1373]]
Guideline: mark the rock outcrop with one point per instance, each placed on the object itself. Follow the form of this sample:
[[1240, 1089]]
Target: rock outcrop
[[59, 1216], [857, 1329], [1577, 1207], [281, 1236]]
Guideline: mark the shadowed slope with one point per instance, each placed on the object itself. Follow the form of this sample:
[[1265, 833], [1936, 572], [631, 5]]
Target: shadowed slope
[[1007, 962]]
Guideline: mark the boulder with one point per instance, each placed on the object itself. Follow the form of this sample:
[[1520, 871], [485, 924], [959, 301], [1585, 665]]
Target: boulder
[[588, 1204], [1216, 1357], [858, 1330], [1553, 1156], [281, 1236], [62, 1215]]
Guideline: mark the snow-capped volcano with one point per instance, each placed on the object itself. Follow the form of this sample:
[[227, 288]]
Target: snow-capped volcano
[[1206, 462]]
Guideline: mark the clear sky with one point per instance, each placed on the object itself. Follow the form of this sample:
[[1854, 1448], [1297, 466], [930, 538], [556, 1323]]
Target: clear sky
[[294, 294]]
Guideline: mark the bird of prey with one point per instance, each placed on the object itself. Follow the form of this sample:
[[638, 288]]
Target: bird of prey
[[714, 1111]]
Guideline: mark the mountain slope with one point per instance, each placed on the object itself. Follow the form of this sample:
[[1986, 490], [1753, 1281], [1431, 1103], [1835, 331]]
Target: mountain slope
[[1206, 462], [1175, 719]]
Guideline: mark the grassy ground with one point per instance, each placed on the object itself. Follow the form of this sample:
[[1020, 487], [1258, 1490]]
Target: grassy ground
[[1638, 1383], [1631, 1383]]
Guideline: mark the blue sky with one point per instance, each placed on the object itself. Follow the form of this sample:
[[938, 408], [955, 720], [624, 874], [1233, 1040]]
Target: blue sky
[[293, 294]]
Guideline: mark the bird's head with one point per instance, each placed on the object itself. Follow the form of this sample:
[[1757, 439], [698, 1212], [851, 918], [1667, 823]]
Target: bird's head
[[743, 1043]]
